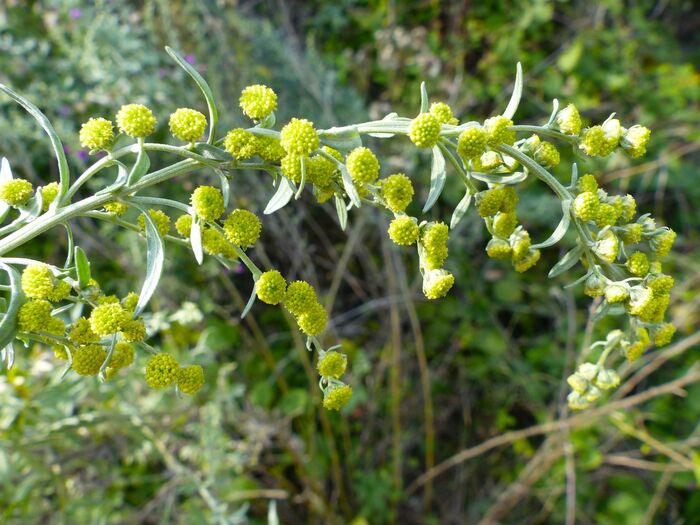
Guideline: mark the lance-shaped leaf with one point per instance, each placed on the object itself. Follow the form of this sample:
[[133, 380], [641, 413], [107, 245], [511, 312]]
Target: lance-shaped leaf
[[63, 172], [140, 167], [561, 228], [82, 267], [423, 98], [343, 139], [8, 324], [204, 87], [461, 209], [349, 186], [284, 193], [196, 240], [566, 262], [251, 300], [437, 178], [342, 212], [517, 93], [155, 256], [225, 187]]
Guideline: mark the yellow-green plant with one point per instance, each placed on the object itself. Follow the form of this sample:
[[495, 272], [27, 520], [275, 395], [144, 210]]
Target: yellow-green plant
[[620, 253]]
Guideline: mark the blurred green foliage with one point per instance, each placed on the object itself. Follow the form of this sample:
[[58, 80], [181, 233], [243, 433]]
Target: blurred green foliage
[[75, 451]]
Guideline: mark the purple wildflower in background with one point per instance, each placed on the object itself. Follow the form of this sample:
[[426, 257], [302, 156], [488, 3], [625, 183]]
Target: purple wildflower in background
[[75, 13]]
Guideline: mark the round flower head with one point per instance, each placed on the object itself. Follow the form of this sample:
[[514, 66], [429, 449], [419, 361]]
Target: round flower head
[[424, 131], [587, 183], [241, 144], [606, 214], [48, 195], [87, 360], [183, 225], [631, 233], [187, 124], [520, 242], [443, 113], [526, 261], [271, 287], [547, 155], [662, 243], [437, 283], [160, 219], [337, 396], [215, 243], [569, 120], [577, 401], [96, 134], [332, 364], [242, 228], [320, 171], [60, 291], [397, 191], [663, 334], [299, 136], [208, 202], [499, 249], [300, 297], [593, 141], [16, 192], [489, 202], [161, 370], [133, 331], [363, 165], [122, 356], [290, 165], [629, 208], [634, 141], [607, 379], [313, 321], [136, 120], [130, 301], [471, 143], [586, 205], [612, 131], [504, 224], [108, 318], [190, 379], [37, 281], [510, 200], [117, 208], [34, 316], [638, 264], [403, 230], [607, 246], [497, 131], [81, 333], [617, 293], [258, 101], [270, 149], [661, 284], [434, 244], [641, 302]]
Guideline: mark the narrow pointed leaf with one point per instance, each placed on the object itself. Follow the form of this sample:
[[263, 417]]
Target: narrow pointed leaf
[[461, 209], [342, 212], [561, 228], [517, 93], [5, 175], [82, 267], [437, 178], [63, 172], [343, 139], [284, 193], [566, 262], [225, 187], [155, 256], [196, 241], [302, 183], [204, 87], [8, 324], [349, 186], [494, 178], [555, 110], [140, 167], [423, 98], [250, 302]]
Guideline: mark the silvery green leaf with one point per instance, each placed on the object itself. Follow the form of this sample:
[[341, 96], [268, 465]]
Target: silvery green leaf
[[7, 355], [495, 178], [8, 323], [349, 186], [204, 87], [555, 110], [251, 300], [140, 167], [437, 178], [269, 121], [71, 244], [272, 518], [461, 209], [32, 208], [561, 228], [423, 98], [342, 212], [381, 135], [302, 183], [110, 352], [601, 311], [517, 93], [212, 152], [63, 171], [119, 182], [225, 187], [284, 193], [196, 240], [5, 175], [343, 139], [566, 262], [574, 175], [155, 256], [82, 267]]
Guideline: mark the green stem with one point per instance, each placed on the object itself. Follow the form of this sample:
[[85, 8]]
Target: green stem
[[458, 168], [548, 132]]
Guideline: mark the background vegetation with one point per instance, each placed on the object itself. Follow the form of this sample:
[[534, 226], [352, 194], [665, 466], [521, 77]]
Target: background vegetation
[[431, 380]]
